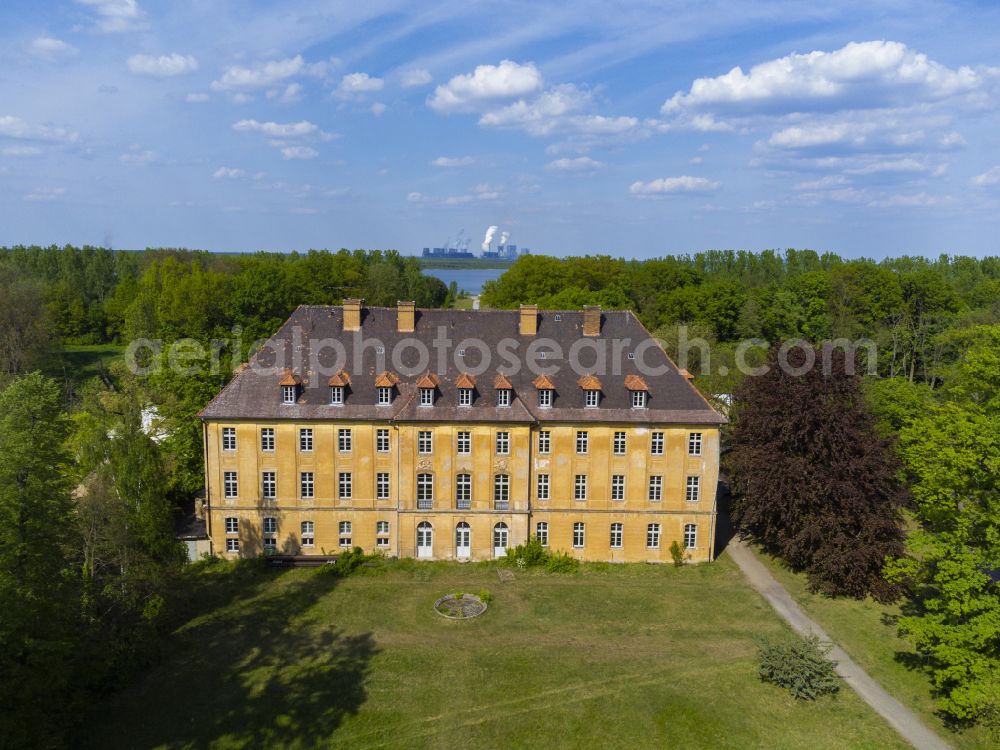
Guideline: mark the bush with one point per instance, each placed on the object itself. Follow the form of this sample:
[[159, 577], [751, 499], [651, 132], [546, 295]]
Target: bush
[[800, 666], [527, 555], [676, 553], [485, 596], [561, 563], [349, 561]]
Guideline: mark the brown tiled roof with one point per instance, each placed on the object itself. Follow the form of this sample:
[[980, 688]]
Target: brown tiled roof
[[428, 380], [635, 383], [289, 378], [465, 380], [542, 383], [589, 383], [341, 379], [253, 392], [500, 381]]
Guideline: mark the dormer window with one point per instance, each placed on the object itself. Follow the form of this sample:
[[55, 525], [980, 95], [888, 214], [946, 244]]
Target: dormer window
[[289, 387], [384, 395], [426, 386], [466, 385], [465, 397], [384, 384], [288, 394], [338, 386], [545, 398], [638, 399], [639, 390], [503, 397], [427, 397], [504, 389], [337, 395], [592, 398]]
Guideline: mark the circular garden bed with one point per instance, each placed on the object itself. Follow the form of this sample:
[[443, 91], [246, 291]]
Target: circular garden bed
[[459, 606]]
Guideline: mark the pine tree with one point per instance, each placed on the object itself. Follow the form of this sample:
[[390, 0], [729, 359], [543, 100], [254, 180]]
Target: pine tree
[[812, 480]]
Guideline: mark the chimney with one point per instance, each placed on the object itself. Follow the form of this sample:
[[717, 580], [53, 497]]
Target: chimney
[[352, 314], [591, 320], [529, 320], [405, 315]]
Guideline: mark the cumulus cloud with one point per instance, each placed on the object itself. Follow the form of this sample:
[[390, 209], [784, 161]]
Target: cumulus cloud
[[291, 93], [51, 50], [452, 161], [114, 16], [265, 74], [415, 77], [164, 66], [989, 177], [539, 114], [682, 184], [15, 127], [579, 164], [280, 129], [486, 84], [299, 152], [137, 156], [360, 83], [228, 173], [918, 200]]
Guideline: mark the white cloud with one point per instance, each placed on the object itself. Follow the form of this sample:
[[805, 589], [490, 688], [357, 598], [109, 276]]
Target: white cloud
[[415, 197], [164, 66], [860, 75], [696, 160], [50, 49], [823, 183], [819, 134], [20, 151], [904, 165], [359, 83], [299, 152], [378, 109], [196, 98], [486, 84], [450, 161], [919, 200], [228, 173], [540, 115], [989, 177], [291, 93], [115, 16], [45, 194], [682, 184], [416, 77], [241, 97], [280, 129], [15, 127], [579, 164], [137, 156], [265, 74]]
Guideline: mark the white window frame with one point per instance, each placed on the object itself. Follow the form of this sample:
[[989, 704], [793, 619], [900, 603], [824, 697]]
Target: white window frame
[[305, 440], [384, 395], [337, 395], [345, 440], [619, 443], [463, 491], [639, 399], [382, 444], [543, 487], [269, 525], [542, 533], [579, 535], [269, 485], [692, 491], [232, 545], [501, 491], [544, 442], [383, 485], [653, 536], [580, 487], [381, 533], [690, 536], [426, 396], [308, 533], [344, 533], [229, 439], [694, 443], [465, 397], [503, 443], [463, 443], [582, 442], [618, 487], [230, 484], [656, 443], [617, 532], [288, 394], [503, 398], [345, 485], [545, 398], [307, 485], [425, 490], [655, 493], [232, 525], [425, 442], [267, 439], [591, 398]]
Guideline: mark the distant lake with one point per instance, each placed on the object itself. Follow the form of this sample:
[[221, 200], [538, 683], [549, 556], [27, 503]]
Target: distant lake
[[469, 280]]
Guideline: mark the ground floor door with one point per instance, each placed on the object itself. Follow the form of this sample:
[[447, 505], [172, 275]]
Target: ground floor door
[[425, 539], [463, 540], [501, 537]]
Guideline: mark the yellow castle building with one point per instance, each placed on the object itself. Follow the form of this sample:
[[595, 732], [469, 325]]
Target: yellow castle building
[[455, 434]]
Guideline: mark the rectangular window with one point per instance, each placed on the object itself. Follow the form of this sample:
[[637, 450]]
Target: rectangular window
[[308, 529], [690, 536], [344, 534], [655, 488], [653, 536], [543, 486], [465, 397], [382, 485], [345, 485], [337, 395], [463, 491], [306, 485], [656, 443], [230, 484], [232, 545], [463, 443], [344, 440], [580, 487], [593, 397], [581, 442], [270, 525], [544, 442], [381, 533], [578, 534], [503, 397], [288, 394], [501, 492], [694, 444], [267, 439], [425, 491], [545, 398], [638, 399], [427, 397], [618, 487], [228, 438], [382, 440], [306, 439], [232, 525], [269, 485], [620, 443], [503, 443], [384, 396], [693, 489], [542, 533], [616, 536], [424, 442]]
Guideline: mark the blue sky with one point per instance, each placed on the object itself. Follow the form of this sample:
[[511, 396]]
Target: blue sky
[[637, 129]]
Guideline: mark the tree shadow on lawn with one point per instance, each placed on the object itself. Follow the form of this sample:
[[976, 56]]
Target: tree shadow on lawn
[[254, 673]]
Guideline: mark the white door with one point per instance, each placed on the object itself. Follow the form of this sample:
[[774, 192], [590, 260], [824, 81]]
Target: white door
[[425, 540], [463, 540], [500, 538]]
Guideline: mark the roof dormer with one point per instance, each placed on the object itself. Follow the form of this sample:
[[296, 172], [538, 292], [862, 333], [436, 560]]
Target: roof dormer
[[466, 385], [546, 390], [385, 386], [638, 390], [504, 389], [339, 384], [591, 391], [289, 385], [427, 388]]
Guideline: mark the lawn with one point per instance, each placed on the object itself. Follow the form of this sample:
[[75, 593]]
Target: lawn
[[79, 362], [629, 656], [866, 631]]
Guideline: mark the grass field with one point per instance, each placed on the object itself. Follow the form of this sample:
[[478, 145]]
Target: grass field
[[79, 362], [611, 657], [866, 630]]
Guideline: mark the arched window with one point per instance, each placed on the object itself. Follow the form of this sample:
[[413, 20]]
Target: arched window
[[501, 539], [425, 539], [463, 540]]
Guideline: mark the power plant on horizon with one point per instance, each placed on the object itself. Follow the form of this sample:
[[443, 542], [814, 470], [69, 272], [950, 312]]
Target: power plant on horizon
[[458, 249]]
